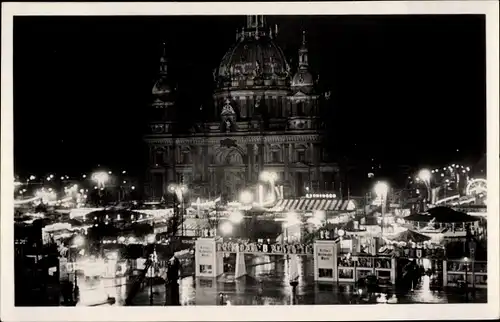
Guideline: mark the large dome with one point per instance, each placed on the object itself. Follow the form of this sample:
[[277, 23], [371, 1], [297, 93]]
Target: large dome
[[254, 58]]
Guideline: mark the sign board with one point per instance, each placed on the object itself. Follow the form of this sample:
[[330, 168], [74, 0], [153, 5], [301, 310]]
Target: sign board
[[325, 260], [325, 256], [205, 251], [437, 253], [259, 248], [206, 258]]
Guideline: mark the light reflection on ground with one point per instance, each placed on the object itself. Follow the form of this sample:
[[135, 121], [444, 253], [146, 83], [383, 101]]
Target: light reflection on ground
[[266, 284]]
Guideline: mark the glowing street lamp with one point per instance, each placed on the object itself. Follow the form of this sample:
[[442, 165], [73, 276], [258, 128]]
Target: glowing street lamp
[[381, 189], [100, 178], [179, 191], [236, 217], [269, 176], [425, 175], [466, 261], [226, 228], [151, 238], [78, 241], [246, 197]]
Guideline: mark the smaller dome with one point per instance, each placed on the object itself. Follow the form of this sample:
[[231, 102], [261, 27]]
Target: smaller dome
[[162, 87], [303, 80]]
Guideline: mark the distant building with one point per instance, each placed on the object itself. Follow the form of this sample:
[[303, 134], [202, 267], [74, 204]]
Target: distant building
[[265, 117]]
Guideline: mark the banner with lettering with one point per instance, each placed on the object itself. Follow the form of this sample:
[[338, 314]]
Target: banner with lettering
[[249, 248], [420, 252]]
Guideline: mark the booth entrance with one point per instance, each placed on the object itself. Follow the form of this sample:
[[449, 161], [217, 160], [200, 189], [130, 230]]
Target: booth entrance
[[329, 264]]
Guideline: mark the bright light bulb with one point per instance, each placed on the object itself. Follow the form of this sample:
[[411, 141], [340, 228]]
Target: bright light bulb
[[292, 219], [246, 197], [381, 189], [236, 217], [151, 238], [226, 228], [78, 241], [425, 175]]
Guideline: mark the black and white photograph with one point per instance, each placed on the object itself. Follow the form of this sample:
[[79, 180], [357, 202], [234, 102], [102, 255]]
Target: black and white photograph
[[250, 158]]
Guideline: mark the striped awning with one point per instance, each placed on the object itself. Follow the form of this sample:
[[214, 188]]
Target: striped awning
[[310, 204], [194, 224]]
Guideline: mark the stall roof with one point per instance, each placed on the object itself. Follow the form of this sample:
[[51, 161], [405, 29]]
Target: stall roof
[[443, 215], [313, 204]]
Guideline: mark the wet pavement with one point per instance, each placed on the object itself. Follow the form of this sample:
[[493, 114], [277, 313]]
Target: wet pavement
[[267, 283]]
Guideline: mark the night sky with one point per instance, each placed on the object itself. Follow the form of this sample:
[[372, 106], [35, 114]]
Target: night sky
[[405, 89]]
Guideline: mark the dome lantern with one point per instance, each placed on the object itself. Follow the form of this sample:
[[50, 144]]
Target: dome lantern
[[303, 79], [162, 89], [303, 53]]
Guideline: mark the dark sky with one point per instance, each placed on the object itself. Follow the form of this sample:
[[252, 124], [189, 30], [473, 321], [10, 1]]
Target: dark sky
[[406, 89]]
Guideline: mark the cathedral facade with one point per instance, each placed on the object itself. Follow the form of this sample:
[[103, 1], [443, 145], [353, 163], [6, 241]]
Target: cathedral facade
[[265, 117]]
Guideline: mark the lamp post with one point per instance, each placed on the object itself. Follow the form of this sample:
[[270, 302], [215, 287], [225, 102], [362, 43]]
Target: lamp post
[[381, 189], [271, 177], [341, 234], [466, 261], [425, 175], [152, 257], [291, 220], [78, 242], [101, 178], [179, 191]]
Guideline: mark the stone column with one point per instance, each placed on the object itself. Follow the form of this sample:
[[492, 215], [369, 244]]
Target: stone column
[[195, 159], [151, 156], [250, 164], [445, 273], [206, 160], [286, 160], [317, 161], [261, 156], [171, 170], [165, 183]]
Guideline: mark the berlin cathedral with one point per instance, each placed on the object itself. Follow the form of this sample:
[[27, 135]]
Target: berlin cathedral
[[266, 116]]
